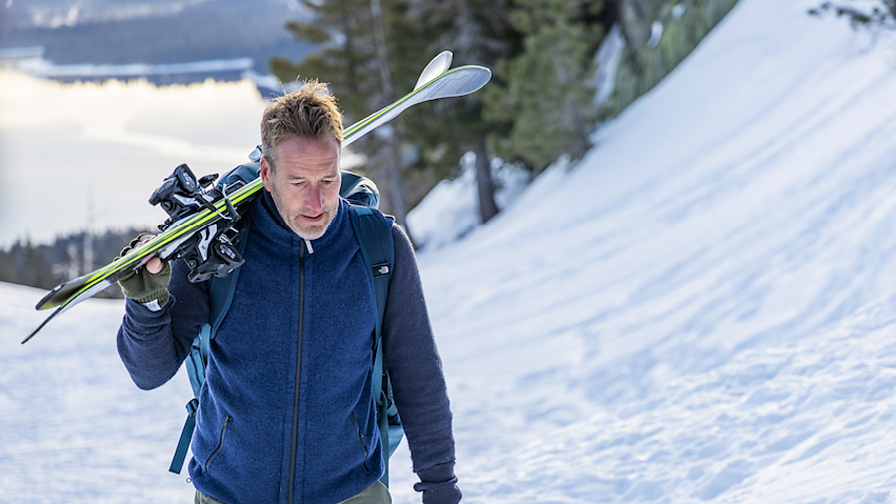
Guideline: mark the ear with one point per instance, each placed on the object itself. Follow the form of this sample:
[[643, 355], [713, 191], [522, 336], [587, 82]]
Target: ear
[[265, 173]]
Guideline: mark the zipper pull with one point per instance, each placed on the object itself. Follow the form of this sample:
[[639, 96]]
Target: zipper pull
[[308, 246]]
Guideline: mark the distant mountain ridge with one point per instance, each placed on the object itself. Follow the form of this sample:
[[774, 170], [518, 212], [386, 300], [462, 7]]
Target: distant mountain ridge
[[103, 32], [56, 13]]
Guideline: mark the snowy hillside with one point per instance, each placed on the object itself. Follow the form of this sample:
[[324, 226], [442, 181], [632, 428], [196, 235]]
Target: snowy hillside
[[703, 309], [73, 427]]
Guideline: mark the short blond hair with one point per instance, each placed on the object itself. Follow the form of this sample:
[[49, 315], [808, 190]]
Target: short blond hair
[[309, 112]]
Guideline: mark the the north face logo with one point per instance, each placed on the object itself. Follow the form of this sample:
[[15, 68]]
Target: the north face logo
[[382, 270]]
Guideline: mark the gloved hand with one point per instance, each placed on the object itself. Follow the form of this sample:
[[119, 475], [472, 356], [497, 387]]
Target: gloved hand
[[148, 284], [439, 485]]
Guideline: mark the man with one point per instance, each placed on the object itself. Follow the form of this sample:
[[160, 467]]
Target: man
[[286, 413]]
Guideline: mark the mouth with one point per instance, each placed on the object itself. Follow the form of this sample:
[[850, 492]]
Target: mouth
[[313, 219]]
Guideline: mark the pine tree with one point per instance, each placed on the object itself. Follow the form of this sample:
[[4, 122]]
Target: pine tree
[[477, 33], [346, 55], [659, 35], [547, 94], [364, 51]]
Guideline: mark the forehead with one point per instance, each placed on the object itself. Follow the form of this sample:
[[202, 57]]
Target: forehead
[[305, 157]]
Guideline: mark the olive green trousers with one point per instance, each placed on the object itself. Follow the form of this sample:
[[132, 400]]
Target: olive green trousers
[[376, 494]]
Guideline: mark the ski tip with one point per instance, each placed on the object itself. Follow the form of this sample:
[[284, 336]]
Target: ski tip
[[41, 326], [34, 332], [439, 65]]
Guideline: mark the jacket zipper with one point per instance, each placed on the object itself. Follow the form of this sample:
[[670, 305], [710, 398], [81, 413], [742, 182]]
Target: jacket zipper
[[363, 443], [211, 457], [295, 408]]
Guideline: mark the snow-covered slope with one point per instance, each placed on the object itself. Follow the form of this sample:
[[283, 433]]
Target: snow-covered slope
[[73, 427], [703, 309]]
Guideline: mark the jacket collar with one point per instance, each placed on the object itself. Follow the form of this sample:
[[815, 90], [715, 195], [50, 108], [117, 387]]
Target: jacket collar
[[273, 225]]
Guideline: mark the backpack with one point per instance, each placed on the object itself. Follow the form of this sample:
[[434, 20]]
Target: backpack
[[374, 235]]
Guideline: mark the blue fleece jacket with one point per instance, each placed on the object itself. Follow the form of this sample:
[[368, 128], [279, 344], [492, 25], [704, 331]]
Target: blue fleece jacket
[[286, 413]]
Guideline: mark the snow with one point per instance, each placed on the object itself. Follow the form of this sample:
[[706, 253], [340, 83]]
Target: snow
[[73, 427], [702, 309], [451, 209]]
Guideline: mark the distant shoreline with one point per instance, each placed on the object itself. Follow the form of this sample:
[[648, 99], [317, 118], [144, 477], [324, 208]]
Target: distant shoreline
[[30, 60], [40, 67]]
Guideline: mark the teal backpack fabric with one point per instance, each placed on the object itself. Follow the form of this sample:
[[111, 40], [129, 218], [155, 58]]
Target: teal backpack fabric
[[374, 234]]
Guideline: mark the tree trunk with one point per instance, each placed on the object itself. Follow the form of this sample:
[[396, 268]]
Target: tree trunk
[[625, 11], [487, 206], [398, 205], [395, 165], [583, 139]]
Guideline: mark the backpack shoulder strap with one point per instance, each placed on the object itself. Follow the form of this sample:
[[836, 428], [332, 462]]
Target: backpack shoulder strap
[[374, 235]]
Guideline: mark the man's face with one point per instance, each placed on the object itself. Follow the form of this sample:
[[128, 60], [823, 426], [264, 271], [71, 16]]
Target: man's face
[[304, 184]]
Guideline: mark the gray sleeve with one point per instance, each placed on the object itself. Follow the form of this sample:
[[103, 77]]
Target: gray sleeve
[[413, 362], [152, 345]]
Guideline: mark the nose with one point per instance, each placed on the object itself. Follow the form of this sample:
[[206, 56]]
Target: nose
[[314, 198]]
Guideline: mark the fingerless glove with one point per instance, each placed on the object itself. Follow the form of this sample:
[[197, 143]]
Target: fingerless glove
[[148, 289]]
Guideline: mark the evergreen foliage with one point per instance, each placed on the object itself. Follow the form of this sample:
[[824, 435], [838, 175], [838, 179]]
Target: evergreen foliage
[[344, 60], [347, 59], [477, 33], [540, 104], [659, 35], [415, 30], [548, 92]]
